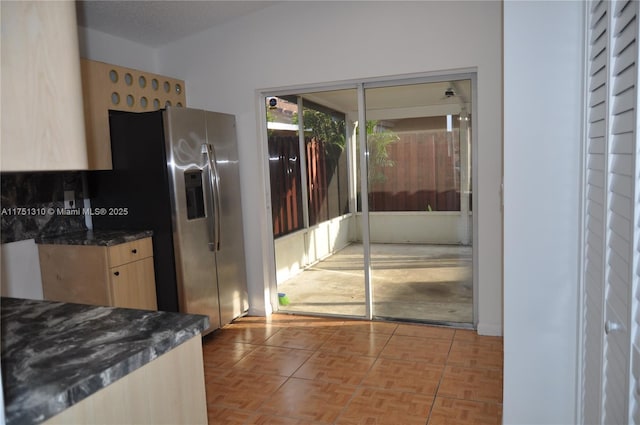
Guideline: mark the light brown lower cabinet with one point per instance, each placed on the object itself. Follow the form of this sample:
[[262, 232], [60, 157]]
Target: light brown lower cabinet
[[167, 390], [119, 275], [132, 285]]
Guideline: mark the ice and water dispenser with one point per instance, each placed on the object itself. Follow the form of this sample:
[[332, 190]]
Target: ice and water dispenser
[[195, 194]]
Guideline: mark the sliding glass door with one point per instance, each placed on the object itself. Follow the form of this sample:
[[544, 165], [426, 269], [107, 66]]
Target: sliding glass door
[[371, 199], [318, 256], [419, 192]]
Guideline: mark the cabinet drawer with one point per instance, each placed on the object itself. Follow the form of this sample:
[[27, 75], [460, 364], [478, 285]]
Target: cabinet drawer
[[130, 251]]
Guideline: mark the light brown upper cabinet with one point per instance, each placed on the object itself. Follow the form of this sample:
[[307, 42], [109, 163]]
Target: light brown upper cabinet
[[42, 112], [106, 87]]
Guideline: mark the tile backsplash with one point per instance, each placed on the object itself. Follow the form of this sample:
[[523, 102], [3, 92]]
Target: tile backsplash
[[33, 204]]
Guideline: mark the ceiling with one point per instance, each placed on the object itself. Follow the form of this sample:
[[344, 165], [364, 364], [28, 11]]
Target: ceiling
[[158, 22], [401, 101]]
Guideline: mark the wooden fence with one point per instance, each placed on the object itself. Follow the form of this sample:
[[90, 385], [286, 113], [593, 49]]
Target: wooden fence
[[327, 182], [317, 182], [286, 193], [424, 176]]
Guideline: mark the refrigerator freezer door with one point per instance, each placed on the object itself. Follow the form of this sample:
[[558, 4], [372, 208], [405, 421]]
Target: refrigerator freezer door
[[230, 259], [185, 132]]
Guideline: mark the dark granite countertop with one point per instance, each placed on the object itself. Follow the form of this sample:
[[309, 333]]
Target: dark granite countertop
[[95, 237], [55, 354]]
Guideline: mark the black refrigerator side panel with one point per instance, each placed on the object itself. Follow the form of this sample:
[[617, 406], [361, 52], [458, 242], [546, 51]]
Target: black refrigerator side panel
[[139, 184]]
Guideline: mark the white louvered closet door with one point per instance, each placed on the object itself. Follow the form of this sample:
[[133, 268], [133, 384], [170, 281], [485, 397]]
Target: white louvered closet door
[[594, 210], [611, 371]]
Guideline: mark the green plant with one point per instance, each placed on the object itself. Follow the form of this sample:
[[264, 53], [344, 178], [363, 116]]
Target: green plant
[[324, 127], [378, 140]]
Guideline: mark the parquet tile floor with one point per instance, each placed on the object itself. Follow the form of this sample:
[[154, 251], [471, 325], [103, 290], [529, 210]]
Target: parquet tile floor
[[301, 370]]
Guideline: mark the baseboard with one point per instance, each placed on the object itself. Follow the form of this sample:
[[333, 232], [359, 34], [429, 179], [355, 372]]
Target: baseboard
[[489, 330]]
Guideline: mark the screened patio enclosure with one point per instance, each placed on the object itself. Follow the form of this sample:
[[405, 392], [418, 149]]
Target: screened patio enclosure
[[371, 199]]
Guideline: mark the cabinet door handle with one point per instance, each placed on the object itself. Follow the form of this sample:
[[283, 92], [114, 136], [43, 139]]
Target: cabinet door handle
[[116, 273], [135, 251]]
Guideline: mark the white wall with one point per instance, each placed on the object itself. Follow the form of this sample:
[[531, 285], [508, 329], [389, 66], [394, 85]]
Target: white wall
[[300, 249], [437, 227], [20, 270], [542, 151], [102, 47], [300, 42]]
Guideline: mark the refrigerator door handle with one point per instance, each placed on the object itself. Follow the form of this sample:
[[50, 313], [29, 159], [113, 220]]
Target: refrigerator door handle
[[214, 184], [218, 198]]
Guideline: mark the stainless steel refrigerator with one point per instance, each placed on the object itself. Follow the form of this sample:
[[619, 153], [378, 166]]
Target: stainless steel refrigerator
[[176, 172]]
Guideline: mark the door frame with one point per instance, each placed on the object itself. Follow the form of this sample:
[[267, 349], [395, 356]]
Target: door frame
[[360, 85]]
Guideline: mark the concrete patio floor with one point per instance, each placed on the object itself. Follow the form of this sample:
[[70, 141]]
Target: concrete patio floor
[[423, 283]]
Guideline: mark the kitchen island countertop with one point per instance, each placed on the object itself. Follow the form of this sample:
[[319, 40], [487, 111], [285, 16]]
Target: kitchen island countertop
[[55, 354]]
